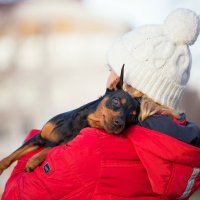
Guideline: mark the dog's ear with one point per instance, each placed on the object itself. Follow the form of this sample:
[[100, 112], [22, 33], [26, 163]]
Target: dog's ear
[[121, 80], [117, 83], [113, 86]]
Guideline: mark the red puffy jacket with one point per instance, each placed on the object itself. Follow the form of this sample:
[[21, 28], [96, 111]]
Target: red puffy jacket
[[141, 164]]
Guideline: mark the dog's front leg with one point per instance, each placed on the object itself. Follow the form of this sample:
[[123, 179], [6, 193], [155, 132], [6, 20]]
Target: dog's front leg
[[36, 160], [6, 162]]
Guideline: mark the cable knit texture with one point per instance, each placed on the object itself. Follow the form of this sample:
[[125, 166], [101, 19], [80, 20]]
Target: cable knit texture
[[157, 57]]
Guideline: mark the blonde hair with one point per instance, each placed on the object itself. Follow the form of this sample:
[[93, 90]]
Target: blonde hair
[[149, 107]]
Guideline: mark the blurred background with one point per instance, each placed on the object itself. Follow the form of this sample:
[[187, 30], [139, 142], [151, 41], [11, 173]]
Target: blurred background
[[53, 58]]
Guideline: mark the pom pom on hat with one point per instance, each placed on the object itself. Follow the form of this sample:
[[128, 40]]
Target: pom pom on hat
[[182, 26]]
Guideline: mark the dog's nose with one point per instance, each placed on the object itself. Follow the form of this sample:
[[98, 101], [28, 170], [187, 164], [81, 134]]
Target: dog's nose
[[118, 123]]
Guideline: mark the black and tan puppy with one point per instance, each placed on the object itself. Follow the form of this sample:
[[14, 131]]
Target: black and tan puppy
[[111, 113]]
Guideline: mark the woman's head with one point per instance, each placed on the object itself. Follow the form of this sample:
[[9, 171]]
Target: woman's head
[[157, 57], [148, 107]]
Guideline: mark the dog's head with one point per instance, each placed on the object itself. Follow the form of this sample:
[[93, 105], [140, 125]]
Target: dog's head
[[116, 109]]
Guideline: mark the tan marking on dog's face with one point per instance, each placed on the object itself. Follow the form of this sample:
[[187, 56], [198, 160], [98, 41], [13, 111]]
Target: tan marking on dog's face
[[123, 101], [95, 119], [134, 113], [103, 118]]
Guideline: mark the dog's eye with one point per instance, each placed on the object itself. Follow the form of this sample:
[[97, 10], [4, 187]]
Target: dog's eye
[[116, 102]]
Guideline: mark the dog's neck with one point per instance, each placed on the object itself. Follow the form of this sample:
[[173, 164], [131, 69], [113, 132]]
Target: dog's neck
[[80, 117]]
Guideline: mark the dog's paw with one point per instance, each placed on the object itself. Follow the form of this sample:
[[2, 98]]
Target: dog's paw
[[31, 165], [33, 162], [28, 169]]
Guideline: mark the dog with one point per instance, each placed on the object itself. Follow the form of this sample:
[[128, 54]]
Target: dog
[[111, 112]]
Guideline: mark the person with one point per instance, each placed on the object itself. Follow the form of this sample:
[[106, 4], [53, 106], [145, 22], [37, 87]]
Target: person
[[156, 159]]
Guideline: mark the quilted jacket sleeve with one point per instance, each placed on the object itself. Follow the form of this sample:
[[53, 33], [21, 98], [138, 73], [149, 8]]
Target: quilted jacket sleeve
[[173, 167], [68, 170], [18, 180]]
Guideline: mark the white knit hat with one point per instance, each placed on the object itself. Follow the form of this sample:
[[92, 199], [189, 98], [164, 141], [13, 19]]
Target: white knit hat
[[157, 57]]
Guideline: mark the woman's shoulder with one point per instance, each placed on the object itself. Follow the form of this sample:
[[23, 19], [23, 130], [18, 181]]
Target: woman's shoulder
[[180, 129]]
